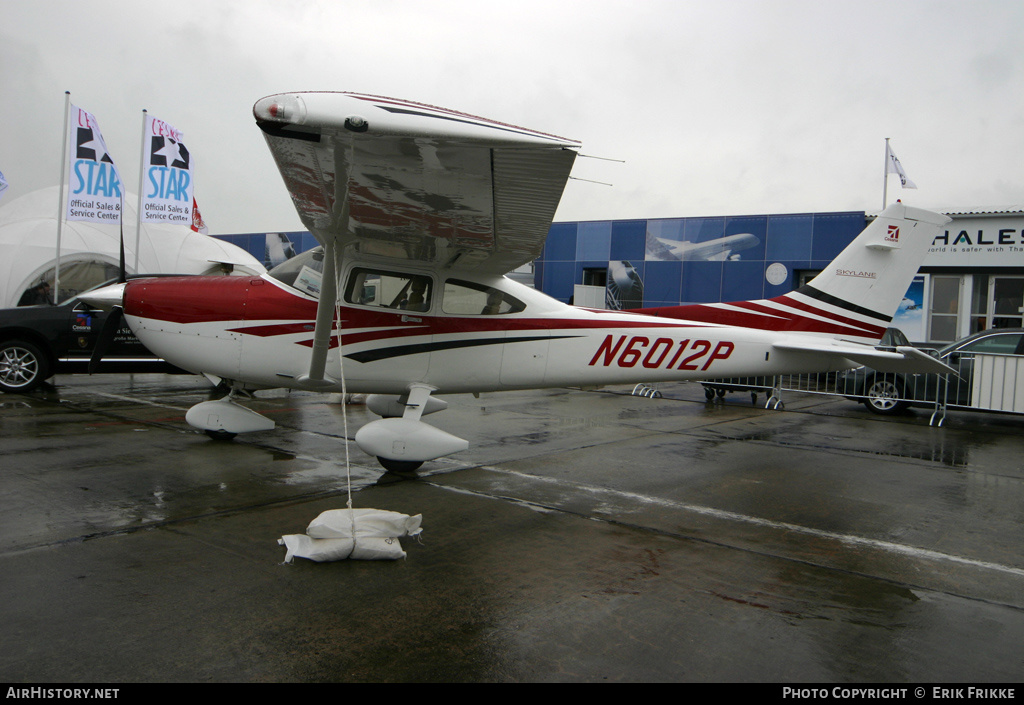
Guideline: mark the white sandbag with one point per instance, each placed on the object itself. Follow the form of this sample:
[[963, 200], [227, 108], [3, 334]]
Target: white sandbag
[[324, 550], [319, 550], [375, 549], [369, 523]]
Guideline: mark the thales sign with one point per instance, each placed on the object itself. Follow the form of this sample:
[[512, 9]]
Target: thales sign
[[979, 242]]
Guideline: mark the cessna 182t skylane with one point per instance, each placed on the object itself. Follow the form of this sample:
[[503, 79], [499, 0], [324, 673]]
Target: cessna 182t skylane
[[419, 212]]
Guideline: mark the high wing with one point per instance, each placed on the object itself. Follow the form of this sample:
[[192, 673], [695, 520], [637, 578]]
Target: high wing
[[375, 176]]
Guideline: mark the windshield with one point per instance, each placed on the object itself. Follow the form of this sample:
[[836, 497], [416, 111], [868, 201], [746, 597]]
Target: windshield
[[304, 272]]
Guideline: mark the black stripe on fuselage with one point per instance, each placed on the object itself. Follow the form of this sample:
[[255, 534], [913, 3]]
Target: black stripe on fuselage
[[819, 295], [403, 350]]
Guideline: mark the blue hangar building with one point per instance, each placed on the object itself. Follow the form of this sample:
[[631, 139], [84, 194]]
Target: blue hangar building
[[664, 262]]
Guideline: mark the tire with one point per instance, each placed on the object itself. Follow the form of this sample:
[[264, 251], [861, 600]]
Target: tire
[[399, 466], [884, 396], [23, 366], [220, 435]]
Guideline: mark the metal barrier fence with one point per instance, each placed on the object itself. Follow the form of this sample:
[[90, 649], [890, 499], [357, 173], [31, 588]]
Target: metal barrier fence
[[985, 382]]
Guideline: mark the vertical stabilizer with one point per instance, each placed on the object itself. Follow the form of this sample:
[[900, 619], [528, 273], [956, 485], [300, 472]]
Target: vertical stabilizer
[[869, 278]]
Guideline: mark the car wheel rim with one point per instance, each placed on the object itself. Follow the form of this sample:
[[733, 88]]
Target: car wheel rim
[[18, 367], [883, 395]]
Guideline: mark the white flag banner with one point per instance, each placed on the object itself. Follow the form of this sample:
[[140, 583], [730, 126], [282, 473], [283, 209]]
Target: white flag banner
[[3, 184], [94, 190], [893, 166], [167, 166]]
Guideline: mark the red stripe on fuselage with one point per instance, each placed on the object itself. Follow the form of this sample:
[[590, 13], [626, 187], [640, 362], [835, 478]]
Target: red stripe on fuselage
[[842, 326], [763, 317], [869, 328], [213, 299], [236, 301]]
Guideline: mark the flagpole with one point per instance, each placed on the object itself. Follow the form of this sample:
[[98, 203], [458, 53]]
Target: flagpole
[[138, 208], [885, 175], [60, 202]]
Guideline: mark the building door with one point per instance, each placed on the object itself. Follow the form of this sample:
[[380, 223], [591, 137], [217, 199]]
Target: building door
[[944, 308], [1007, 297]]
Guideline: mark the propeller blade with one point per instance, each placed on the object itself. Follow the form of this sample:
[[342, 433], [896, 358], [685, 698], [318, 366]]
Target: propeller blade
[[106, 337], [122, 276]]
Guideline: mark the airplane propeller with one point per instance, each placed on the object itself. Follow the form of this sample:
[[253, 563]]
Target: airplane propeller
[[106, 337]]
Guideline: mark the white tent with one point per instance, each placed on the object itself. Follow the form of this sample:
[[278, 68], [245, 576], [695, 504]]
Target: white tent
[[28, 240]]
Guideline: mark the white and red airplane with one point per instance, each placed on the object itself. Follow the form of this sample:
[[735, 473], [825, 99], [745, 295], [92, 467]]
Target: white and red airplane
[[420, 212]]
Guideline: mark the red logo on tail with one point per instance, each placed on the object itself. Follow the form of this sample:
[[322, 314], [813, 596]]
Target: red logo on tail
[[893, 235]]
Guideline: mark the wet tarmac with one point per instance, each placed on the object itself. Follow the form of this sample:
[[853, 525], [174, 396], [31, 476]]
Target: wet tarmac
[[584, 536]]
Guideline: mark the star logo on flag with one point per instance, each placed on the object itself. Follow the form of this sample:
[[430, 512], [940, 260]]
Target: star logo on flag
[[169, 152], [89, 147]]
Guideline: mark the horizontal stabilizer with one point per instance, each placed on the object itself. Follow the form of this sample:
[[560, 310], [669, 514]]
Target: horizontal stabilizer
[[904, 359]]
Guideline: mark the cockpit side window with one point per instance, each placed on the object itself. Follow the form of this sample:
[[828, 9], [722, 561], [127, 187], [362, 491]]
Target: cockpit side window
[[466, 298], [402, 292]]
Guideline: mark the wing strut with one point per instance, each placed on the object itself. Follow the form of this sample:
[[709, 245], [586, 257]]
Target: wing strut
[[317, 377]]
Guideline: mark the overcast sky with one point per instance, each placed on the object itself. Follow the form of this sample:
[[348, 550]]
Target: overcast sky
[[717, 107]]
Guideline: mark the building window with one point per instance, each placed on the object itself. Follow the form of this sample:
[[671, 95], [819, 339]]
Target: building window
[[595, 277], [1008, 299], [945, 307], [979, 303]]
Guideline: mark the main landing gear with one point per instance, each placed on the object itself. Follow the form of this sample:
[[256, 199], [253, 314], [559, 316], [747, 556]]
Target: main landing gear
[[400, 441], [402, 444], [223, 419]]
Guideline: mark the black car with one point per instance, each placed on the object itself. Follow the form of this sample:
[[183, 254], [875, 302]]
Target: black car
[[37, 342], [890, 393]]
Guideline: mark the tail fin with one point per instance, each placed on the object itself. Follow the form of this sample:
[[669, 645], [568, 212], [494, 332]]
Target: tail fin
[[864, 285], [855, 296]]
